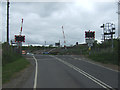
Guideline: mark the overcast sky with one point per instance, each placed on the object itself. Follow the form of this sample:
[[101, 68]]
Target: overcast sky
[[43, 21]]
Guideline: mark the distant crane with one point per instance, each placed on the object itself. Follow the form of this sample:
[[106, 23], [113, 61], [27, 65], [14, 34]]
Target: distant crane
[[64, 38]]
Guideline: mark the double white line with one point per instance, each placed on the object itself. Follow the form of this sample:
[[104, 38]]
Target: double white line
[[99, 82]]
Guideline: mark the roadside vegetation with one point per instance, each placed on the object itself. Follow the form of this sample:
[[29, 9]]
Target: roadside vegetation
[[12, 63], [105, 53], [35, 48], [100, 52]]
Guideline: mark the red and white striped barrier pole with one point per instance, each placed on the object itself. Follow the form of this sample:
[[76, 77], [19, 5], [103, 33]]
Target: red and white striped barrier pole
[[64, 37], [21, 26]]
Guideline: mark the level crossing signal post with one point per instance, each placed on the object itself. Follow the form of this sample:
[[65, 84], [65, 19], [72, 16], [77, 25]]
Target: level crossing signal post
[[89, 37], [19, 39]]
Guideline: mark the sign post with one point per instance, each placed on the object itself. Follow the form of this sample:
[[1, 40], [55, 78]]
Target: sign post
[[89, 37], [19, 39]]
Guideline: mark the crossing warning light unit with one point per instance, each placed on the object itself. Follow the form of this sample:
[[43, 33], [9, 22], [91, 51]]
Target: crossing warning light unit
[[89, 34], [89, 37], [19, 38]]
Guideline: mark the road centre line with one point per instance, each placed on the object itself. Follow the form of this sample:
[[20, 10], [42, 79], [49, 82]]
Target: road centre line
[[36, 72], [95, 64], [99, 82]]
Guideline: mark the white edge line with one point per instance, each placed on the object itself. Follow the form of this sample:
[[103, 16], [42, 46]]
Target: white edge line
[[96, 64], [36, 71]]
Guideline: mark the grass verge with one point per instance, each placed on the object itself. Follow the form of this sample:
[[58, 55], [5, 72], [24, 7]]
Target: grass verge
[[10, 69], [105, 57]]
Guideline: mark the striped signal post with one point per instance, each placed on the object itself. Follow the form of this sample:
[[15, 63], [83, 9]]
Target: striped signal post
[[21, 26], [64, 38], [20, 43]]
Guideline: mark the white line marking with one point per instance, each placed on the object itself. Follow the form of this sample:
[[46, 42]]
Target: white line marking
[[36, 71], [95, 64], [99, 82]]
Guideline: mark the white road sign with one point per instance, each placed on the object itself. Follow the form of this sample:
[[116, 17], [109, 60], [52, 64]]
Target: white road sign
[[91, 40]]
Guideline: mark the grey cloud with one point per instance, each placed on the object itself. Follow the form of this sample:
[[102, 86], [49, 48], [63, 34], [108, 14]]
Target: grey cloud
[[43, 21], [43, 9]]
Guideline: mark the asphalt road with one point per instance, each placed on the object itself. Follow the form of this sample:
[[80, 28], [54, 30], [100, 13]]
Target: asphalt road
[[67, 72]]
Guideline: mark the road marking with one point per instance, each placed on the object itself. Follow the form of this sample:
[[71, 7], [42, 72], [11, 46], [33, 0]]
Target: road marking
[[95, 64], [36, 71], [99, 82]]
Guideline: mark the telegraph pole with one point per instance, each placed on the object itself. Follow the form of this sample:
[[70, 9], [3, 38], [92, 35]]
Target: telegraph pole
[[118, 19], [8, 21], [118, 37]]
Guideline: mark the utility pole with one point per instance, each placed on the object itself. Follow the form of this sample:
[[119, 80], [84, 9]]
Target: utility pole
[[118, 19], [8, 21], [119, 35]]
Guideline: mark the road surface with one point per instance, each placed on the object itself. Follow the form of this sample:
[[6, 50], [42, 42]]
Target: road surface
[[63, 71]]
